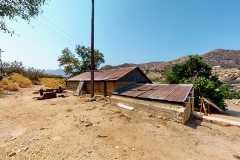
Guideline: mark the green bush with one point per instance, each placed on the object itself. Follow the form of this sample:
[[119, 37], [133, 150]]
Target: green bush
[[197, 72], [229, 92]]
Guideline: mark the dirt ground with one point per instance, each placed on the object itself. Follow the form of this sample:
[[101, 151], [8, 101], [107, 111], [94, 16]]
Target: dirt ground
[[73, 128]]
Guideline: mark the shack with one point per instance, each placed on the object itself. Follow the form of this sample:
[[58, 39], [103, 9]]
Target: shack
[[107, 81], [168, 101]]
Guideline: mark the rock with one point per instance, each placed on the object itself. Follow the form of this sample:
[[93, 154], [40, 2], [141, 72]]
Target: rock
[[13, 138], [126, 149], [12, 154]]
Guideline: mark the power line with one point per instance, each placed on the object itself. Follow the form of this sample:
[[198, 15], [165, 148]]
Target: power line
[[64, 39], [13, 31], [55, 32], [61, 29]]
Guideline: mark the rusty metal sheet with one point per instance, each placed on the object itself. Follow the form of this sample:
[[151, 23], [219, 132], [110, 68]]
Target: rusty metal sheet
[[137, 90], [111, 74], [152, 91], [179, 94], [145, 87], [136, 93], [166, 92]]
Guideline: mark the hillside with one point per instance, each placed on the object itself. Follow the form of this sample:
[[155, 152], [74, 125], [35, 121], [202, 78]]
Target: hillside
[[220, 57], [223, 57]]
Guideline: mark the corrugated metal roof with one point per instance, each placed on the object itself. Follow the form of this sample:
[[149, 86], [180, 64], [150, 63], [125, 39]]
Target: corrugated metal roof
[[165, 92], [110, 74]]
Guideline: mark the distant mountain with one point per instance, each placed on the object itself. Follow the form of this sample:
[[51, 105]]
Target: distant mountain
[[223, 57], [56, 72], [220, 57]]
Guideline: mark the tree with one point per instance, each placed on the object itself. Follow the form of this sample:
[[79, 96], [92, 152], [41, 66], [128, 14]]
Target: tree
[[74, 66], [25, 9], [17, 67], [197, 72]]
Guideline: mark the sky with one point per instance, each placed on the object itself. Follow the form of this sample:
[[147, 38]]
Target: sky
[[126, 31]]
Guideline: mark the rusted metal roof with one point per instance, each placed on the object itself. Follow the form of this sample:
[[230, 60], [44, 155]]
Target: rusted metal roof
[[165, 92], [106, 75]]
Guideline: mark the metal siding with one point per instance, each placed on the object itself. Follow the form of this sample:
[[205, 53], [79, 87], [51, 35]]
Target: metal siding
[[111, 74], [152, 91], [165, 92], [134, 75]]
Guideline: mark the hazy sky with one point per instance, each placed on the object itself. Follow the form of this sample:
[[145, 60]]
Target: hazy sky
[[126, 31]]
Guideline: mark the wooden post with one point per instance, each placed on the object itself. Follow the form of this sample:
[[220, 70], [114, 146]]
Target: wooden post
[[92, 52], [105, 88]]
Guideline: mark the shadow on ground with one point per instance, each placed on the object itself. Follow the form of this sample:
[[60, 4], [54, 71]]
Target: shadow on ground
[[231, 113]]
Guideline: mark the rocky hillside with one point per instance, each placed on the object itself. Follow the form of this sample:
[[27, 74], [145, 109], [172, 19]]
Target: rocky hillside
[[223, 57], [231, 75], [227, 59]]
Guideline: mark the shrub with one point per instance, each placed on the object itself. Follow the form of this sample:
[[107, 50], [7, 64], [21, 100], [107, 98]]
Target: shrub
[[17, 67], [21, 80], [54, 82], [8, 84], [155, 79], [196, 71], [229, 92], [34, 75]]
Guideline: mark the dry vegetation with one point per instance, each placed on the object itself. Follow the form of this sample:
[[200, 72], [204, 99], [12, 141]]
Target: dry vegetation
[[16, 81], [22, 81], [7, 84], [54, 82]]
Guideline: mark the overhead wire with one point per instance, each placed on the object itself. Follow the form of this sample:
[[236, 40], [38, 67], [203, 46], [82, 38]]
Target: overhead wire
[[56, 34], [60, 29], [52, 31]]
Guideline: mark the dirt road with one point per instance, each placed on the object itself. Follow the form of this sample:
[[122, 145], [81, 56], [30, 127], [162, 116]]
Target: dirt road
[[72, 128]]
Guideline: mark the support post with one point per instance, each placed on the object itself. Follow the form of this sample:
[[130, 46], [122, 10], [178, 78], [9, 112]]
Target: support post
[[1, 61], [105, 88], [92, 52]]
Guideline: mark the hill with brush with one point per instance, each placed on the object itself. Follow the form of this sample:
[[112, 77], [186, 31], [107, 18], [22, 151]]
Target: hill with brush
[[225, 58]]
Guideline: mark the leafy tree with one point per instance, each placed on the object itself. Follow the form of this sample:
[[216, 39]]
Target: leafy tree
[[197, 72], [25, 9], [74, 66], [191, 69]]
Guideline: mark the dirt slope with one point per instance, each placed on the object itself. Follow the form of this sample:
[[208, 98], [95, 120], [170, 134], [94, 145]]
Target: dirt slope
[[71, 128]]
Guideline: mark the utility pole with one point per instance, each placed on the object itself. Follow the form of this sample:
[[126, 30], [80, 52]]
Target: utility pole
[[92, 52], [1, 61]]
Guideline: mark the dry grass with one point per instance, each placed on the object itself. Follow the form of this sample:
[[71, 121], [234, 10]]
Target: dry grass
[[7, 84], [21, 80], [54, 82]]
